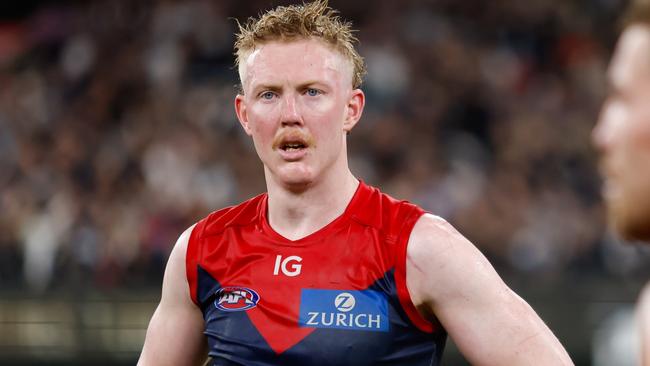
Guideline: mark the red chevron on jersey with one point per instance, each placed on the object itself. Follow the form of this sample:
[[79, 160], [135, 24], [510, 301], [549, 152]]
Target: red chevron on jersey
[[273, 301]]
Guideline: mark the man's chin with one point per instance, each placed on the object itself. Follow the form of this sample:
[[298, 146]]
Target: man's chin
[[296, 181], [294, 177]]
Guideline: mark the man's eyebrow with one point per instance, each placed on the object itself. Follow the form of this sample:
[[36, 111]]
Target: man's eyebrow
[[310, 83], [277, 88], [269, 87], [315, 84]]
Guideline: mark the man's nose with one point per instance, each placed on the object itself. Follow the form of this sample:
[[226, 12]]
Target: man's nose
[[601, 134], [290, 113]]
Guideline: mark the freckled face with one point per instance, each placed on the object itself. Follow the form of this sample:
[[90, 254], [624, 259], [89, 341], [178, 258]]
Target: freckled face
[[623, 135], [298, 104]]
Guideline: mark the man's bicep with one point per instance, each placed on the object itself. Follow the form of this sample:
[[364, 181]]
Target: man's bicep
[[489, 323], [455, 283], [175, 332]]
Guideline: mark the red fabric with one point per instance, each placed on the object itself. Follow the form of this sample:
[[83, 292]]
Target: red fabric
[[400, 272], [352, 252], [192, 257]]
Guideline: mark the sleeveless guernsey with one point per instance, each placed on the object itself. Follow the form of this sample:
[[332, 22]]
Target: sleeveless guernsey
[[335, 297]]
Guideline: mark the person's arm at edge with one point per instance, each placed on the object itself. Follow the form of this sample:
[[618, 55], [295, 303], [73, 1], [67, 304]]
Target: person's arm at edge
[[491, 325], [175, 332], [643, 325]]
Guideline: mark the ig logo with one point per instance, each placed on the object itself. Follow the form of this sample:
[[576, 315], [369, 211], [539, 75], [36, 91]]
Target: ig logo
[[344, 302], [288, 266]]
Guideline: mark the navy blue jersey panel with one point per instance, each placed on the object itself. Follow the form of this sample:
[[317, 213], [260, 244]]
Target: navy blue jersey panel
[[232, 337], [403, 345], [234, 340]]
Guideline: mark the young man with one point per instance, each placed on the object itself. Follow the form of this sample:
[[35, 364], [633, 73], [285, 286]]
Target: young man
[[623, 138], [324, 269]]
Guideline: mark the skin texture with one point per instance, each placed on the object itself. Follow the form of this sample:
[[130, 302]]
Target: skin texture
[[623, 135], [309, 102], [302, 91], [623, 139], [175, 332], [448, 277]]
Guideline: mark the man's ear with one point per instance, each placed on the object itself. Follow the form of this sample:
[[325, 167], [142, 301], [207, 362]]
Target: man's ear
[[242, 113], [354, 109]]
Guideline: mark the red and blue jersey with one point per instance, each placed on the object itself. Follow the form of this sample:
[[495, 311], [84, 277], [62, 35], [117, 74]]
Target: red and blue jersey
[[335, 297]]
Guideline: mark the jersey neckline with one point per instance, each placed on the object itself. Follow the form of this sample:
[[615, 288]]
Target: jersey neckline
[[319, 234]]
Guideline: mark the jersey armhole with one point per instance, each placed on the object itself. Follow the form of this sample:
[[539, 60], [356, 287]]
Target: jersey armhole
[[193, 259], [400, 273]]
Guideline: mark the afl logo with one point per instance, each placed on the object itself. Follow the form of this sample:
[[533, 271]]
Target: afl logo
[[344, 302], [236, 299]]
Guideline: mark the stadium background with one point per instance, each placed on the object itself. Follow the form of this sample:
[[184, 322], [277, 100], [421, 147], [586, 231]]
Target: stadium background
[[117, 131]]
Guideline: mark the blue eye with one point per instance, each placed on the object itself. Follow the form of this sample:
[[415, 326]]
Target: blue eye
[[267, 95], [312, 92]]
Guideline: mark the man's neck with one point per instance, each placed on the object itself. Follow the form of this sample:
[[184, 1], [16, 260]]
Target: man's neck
[[297, 215]]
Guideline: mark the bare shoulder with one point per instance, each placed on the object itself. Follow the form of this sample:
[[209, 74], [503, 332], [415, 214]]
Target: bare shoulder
[[433, 232], [433, 240], [175, 284], [450, 279], [183, 240], [174, 335], [179, 251], [437, 250]]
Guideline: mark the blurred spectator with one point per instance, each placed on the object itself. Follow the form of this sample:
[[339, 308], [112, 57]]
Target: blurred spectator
[[117, 129]]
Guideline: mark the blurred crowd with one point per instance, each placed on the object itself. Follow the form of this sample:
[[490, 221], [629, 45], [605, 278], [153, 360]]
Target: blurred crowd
[[117, 130]]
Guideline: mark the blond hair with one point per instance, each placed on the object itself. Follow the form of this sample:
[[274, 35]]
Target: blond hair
[[311, 20]]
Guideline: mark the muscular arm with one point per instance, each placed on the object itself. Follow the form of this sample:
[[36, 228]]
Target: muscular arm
[[175, 333], [491, 325]]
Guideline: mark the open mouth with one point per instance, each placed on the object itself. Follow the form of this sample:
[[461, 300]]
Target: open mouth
[[292, 146]]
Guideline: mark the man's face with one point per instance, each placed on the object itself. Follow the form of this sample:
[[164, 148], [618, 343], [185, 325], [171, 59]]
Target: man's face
[[298, 105], [623, 135]]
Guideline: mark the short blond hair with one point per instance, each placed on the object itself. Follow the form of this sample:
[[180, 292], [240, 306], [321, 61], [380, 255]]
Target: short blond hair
[[311, 20]]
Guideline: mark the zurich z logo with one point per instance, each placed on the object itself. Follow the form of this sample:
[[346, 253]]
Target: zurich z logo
[[236, 299], [354, 310], [344, 302]]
